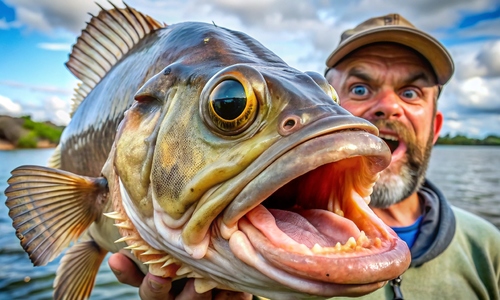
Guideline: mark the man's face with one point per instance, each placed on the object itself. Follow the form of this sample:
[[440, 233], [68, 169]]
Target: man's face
[[394, 88]]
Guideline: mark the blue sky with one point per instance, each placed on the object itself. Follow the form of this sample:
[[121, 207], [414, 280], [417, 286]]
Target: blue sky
[[36, 38]]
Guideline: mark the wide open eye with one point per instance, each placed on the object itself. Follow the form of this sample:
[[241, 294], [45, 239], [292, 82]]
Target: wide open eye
[[230, 108]]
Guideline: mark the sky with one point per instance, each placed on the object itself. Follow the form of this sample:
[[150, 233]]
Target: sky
[[36, 38]]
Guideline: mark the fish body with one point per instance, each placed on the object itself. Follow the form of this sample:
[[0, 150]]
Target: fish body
[[202, 152]]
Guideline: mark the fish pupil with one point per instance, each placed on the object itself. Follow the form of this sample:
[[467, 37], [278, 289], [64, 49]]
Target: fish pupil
[[229, 99]]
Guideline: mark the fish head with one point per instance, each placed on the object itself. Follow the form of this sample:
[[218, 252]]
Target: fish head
[[257, 169]]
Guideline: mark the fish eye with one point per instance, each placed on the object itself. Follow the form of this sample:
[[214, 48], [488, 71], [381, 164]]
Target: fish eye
[[228, 99], [229, 106]]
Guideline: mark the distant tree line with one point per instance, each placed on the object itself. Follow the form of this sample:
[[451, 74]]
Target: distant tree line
[[37, 131], [460, 139], [23, 132]]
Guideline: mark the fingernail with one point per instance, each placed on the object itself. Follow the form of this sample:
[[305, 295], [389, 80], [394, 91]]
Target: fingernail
[[155, 286], [116, 272]]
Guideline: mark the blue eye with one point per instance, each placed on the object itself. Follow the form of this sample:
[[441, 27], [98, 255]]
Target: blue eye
[[409, 94], [359, 90]]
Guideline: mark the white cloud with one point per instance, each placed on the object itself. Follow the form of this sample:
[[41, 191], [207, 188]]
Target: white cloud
[[303, 33], [489, 58], [55, 46], [50, 15], [477, 59], [7, 106], [48, 108]]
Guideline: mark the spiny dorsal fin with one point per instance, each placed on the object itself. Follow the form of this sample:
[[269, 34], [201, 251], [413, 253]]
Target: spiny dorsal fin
[[50, 208], [106, 39]]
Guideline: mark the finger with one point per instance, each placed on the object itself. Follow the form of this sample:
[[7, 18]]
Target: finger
[[189, 293], [154, 287], [230, 295], [125, 270]]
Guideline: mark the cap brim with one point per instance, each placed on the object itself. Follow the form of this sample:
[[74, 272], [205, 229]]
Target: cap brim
[[430, 48]]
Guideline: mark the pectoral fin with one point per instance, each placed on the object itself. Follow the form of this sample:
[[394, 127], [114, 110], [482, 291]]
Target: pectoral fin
[[50, 208], [78, 270]]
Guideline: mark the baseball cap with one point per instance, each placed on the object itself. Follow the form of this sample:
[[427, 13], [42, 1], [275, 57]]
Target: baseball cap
[[394, 28]]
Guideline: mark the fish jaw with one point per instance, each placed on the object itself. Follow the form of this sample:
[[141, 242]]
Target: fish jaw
[[309, 241]]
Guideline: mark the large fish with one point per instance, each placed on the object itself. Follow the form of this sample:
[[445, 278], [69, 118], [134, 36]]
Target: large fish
[[214, 160]]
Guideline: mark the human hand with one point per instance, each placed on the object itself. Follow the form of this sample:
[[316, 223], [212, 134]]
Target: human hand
[[153, 287]]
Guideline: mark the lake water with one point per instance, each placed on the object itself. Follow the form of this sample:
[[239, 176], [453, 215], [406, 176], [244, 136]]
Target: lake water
[[468, 175], [15, 265]]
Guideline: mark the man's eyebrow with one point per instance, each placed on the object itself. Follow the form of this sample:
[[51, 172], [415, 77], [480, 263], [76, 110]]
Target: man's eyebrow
[[359, 73], [417, 76]]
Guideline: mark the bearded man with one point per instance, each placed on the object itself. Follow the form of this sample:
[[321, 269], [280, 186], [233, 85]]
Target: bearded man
[[389, 72]]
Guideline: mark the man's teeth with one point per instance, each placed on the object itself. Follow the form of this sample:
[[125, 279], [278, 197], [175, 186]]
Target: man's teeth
[[389, 137]]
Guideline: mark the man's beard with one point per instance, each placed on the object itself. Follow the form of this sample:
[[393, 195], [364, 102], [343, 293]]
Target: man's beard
[[394, 187]]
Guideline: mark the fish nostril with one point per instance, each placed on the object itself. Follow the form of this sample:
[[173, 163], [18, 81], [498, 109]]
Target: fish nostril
[[289, 124]]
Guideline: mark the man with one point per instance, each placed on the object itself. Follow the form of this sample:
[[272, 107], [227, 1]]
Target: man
[[387, 71]]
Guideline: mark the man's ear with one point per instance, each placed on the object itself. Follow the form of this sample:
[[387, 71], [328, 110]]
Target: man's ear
[[438, 124]]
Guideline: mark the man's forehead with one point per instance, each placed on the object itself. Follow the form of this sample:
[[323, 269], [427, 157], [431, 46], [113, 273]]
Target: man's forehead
[[386, 55]]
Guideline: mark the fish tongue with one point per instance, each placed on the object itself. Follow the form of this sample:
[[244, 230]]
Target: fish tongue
[[315, 226]]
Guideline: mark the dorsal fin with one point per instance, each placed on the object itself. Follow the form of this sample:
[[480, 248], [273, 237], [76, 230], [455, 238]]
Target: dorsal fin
[[106, 39]]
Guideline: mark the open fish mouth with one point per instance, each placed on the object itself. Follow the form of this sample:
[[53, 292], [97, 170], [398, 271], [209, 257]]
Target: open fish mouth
[[303, 219]]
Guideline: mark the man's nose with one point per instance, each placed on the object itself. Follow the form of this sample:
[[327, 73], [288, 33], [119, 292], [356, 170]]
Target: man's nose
[[387, 106]]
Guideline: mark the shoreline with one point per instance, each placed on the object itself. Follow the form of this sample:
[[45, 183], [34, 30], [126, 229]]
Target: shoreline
[[6, 146]]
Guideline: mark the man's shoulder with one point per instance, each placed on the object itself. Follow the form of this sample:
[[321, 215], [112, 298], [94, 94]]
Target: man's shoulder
[[474, 226], [470, 218]]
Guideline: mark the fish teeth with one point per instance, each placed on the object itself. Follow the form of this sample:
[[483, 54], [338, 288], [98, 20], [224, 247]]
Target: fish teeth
[[317, 248], [362, 239], [157, 261], [152, 251], [351, 243], [114, 215], [132, 247], [124, 239], [334, 205], [194, 275], [142, 248], [202, 285], [124, 225], [359, 244], [169, 262], [183, 270]]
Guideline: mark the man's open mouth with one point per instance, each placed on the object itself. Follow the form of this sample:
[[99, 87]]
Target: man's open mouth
[[391, 140]]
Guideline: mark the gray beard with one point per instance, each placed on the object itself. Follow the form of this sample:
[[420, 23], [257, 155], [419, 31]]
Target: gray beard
[[392, 187]]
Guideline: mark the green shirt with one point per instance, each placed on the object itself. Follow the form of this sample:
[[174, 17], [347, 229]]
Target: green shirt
[[469, 268]]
